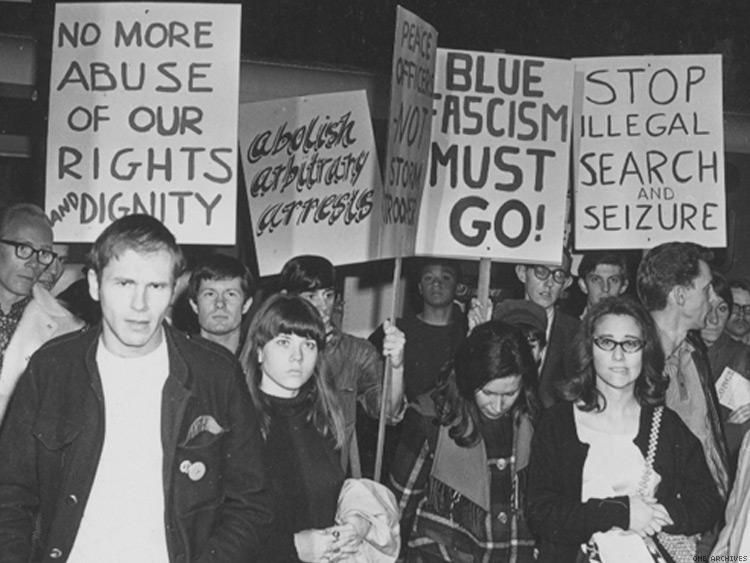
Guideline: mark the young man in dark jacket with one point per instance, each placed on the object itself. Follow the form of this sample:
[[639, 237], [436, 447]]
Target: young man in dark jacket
[[129, 441]]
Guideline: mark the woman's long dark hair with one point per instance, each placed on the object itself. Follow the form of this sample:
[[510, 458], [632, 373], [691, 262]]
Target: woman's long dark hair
[[285, 314], [651, 384], [493, 350]]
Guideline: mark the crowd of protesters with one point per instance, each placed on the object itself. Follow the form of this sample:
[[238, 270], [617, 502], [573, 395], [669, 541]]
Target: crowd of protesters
[[518, 431]]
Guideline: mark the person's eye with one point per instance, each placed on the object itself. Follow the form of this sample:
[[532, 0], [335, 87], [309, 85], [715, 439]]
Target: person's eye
[[307, 296], [232, 294], [311, 345], [329, 295]]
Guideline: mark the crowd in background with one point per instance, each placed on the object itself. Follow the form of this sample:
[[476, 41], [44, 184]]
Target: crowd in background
[[153, 408]]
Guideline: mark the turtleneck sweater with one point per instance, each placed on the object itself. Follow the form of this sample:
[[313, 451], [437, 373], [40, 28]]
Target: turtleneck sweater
[[305, 474]]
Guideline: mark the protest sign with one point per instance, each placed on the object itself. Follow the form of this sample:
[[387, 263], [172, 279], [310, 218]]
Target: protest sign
[[409, 128], [499, 158], [649, 152], [143, 118], [312, 178]]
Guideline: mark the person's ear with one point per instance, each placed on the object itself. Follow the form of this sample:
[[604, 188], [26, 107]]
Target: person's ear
[[521, 273], [193, 306], [567, 282], [678, 295], [93, 280], [624, 286], [260, 356], [582, 286], [283, 292], [246, 306]]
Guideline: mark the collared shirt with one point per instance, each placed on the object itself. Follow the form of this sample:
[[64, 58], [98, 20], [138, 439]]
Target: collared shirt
[[9, 322]]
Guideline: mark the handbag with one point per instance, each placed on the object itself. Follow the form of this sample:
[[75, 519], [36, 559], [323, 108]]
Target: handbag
[[675, 548]]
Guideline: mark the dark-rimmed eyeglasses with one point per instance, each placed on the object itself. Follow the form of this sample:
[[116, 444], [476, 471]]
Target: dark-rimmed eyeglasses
[[543, 273], [743, 310], [629, 346], [25, 251]]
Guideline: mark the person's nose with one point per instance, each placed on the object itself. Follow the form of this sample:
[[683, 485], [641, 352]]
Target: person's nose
[[618, 353], [138, 299], [295, 352], [713, 316], [221, 301]]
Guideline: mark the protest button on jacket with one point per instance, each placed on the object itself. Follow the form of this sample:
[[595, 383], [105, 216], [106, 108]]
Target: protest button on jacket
[[55, 431]]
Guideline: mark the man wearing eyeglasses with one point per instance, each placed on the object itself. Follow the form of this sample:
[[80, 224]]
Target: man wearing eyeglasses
[[600, 275], [674, 284], [29, 268], [738, 324], [25, 252], [544, 286]]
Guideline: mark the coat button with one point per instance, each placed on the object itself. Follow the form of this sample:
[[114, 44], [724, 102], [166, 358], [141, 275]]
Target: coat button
[[501, 463], [71, 500], [55, 553], [503, 517]]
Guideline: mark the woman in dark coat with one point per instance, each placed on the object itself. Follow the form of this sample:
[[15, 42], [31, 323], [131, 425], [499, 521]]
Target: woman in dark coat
[[589, 479]]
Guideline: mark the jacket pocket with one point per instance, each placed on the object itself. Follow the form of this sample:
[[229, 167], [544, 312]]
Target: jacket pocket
[[55, 434], [199, 468]]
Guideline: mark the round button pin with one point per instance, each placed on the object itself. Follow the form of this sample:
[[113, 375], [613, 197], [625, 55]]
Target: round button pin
[[185, 466], [197, 471], [501, 463]]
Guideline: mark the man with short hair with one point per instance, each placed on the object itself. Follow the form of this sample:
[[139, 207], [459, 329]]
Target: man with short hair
[[602, 274], [130, 440], [544, 286], [25, 252], [738, 324], [220, 292], [674, 284]]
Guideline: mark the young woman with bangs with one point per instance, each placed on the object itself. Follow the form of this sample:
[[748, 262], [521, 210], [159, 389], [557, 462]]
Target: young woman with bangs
[[589, 480], [303, 428]]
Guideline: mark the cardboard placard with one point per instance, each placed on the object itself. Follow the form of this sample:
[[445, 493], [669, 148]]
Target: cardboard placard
[[499, 159], [143, 118], [312, 178], [409, 130], [649, 152]]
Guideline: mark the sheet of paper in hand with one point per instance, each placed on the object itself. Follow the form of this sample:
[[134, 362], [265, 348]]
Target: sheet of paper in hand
[[732, 389]]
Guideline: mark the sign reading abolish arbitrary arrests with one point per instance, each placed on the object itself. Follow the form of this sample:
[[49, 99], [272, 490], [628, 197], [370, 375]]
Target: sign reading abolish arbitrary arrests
[[312, 178], [649, 151], [143, 118], [499, 158], [409, 129]]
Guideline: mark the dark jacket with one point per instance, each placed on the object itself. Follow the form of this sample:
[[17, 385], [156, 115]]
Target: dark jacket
[[563, 522], [52, 440], [558, 357]]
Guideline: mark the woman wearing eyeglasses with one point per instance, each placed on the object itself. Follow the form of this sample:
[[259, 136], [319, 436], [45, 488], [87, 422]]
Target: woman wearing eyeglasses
[[589, 480]]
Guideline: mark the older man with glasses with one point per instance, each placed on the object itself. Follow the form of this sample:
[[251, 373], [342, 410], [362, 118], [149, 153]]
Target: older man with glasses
[[25, 252], [738, 324], [29, 315], [544, 286]]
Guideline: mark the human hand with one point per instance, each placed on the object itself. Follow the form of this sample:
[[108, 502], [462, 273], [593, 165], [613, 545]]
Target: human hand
[[478, 313], [393, 344], [740, 415], [346, 538], [647, 517], [313, 545]]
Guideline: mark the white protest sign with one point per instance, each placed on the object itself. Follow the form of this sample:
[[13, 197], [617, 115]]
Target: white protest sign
[[649, 152], [409, 128], [143, 118], [499, 165], [732, 389], [312, 178]]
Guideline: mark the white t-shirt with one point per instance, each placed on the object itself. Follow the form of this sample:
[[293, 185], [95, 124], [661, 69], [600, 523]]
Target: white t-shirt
[[124, 516]]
